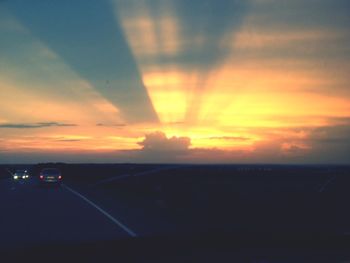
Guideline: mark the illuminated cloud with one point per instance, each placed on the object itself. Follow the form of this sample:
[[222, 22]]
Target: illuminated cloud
[[69, 140], [234, 138], [179, 41], [35, 125], [158, 141], [64, 101], [224, 81], [320, 145], [111, 125], [172, 85]]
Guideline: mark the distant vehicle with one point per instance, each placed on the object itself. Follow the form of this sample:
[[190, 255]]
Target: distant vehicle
[[50, 176], [20, 175]]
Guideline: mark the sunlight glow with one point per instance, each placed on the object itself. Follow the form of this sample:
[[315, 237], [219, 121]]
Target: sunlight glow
[[266, 86]]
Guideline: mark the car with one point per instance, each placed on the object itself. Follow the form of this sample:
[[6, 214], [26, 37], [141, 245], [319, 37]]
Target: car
[[50, 176], [20, 175]]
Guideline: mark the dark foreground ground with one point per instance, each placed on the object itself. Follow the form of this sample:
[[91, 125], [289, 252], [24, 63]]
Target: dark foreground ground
[[252, 213]]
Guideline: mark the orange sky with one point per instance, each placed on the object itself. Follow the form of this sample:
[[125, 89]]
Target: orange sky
[[275, 89]]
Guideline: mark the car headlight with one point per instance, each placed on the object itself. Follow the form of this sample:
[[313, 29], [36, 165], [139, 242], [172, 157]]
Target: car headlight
[[15, 177]]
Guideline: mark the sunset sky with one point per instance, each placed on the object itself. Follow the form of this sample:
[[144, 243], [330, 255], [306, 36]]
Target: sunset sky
[[175, 81]]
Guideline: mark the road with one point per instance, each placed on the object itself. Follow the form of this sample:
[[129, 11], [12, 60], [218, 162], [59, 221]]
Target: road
[[79, 213], [31, 214]]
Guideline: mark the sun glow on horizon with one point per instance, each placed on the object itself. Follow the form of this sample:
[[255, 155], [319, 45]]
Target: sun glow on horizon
[[246, 89]]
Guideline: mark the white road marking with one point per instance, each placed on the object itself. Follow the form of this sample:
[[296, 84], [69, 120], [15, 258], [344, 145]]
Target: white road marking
[[112, 179], [118, 177], [125, 228], [327, 183]]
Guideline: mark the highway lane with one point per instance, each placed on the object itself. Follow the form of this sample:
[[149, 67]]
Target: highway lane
[[261, 203], [31, 214]]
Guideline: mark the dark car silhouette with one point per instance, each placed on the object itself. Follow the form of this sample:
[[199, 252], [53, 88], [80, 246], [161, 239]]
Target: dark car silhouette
[[50, 176]]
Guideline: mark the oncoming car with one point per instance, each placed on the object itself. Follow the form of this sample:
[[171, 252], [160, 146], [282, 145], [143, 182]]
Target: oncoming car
[[50, 176], [20, 175]]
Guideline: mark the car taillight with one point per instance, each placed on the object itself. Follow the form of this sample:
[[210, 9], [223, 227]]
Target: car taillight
[[41, 177], [60, 177]]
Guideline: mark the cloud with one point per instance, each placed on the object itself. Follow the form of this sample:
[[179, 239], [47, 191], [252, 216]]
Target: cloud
[[331, 144], [175, 123], [158, 141], [35, 125], [188, 35], [331, 134], [321, 145], [182, 32], [68, 140], [111, 125], [233, 138], [57, 124]]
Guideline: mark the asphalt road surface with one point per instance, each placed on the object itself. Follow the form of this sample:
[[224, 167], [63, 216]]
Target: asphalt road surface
[[67, 218], [32, 214]]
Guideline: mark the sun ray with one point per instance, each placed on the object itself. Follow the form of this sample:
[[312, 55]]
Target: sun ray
[[38, 78]]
